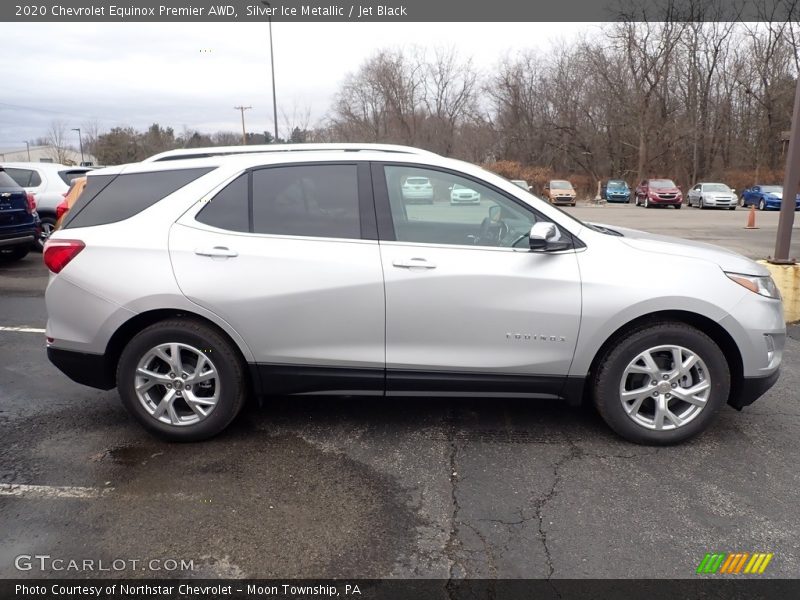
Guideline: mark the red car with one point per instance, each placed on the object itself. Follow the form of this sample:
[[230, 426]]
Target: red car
[[658, 192]]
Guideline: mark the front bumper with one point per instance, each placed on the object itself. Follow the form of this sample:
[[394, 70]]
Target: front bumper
[[751, 389]]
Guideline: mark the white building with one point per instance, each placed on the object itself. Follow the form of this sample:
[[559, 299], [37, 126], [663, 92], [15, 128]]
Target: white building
[[45, 154]]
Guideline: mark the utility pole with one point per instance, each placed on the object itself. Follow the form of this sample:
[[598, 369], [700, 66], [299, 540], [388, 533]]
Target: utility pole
[[272, 65], [791, 185], [242, 109], [28, 148], [80, 141]]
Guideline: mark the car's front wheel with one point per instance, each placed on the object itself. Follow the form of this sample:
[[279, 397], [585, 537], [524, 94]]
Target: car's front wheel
[[661, 384], [182, 380], [762, 205]]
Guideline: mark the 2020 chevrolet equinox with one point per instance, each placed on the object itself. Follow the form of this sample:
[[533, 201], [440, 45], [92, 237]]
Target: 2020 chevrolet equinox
[[189, 284]]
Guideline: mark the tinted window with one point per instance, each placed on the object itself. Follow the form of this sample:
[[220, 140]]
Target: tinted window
[[24, 177], [127, 195], [7, 182], [311, 200], [68, 176], [228, 209]]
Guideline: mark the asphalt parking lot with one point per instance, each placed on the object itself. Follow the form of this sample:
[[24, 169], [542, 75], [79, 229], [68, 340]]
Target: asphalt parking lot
[[308, 487]]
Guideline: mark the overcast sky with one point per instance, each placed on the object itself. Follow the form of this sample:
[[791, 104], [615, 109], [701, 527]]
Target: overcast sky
[[137, 74]]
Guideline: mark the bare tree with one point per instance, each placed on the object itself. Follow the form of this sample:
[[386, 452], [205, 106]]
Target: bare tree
[[57, 140]]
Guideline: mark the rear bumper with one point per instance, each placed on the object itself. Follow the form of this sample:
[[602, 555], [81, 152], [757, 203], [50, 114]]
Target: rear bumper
[[751, 389], [93, 370], [16, 240]]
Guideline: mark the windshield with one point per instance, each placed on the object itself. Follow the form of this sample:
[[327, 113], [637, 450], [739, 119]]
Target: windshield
[[417, 181], [560, 185], [615, 184], [662, 183], [772, 189], [716, 187]]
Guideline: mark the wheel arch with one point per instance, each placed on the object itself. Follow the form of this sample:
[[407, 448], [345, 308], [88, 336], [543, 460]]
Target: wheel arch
[[711, 328], [141, 321]]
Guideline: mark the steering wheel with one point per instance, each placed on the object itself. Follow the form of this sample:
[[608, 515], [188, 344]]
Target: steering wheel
[[492, 232]]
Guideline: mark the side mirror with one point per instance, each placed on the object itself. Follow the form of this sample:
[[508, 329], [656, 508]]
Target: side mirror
[[733, 189], [541, 235]]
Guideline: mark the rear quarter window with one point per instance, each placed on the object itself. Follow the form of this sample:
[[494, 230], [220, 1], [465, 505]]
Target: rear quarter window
[[109, 199], [7, 182], [24, 177], [68, 176]]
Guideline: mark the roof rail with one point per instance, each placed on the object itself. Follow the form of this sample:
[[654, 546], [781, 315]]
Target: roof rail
[[189, 153]]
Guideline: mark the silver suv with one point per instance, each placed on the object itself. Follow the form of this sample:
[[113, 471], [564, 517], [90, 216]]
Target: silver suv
[[190, 285]]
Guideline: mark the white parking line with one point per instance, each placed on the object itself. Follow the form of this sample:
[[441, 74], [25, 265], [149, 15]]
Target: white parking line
[[51, 491], [22, 329]]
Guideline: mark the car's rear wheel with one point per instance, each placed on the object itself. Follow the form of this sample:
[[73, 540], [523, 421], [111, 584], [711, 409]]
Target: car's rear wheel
[[48, 227], [182, 380], [661, 384]]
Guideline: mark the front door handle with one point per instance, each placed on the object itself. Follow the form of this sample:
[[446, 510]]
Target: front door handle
[[216, 252], [413, 263]]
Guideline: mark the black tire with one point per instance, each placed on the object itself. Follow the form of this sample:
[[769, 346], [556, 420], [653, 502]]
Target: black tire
[[611, 367], [48, 225], [741, 201], [678, 206], [700, 204], [647, 202], [14, 253], [231, 372], [732, 207], [762, 205]]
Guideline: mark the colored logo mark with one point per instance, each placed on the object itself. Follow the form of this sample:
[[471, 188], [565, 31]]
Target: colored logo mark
[[735, 563]]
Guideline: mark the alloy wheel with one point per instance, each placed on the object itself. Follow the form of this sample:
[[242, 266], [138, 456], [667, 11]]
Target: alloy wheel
[[177, 384], [665, 387]]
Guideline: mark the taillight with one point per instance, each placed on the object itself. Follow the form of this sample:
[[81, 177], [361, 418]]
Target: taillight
[[57, 254], [31, 203], [61, 209]]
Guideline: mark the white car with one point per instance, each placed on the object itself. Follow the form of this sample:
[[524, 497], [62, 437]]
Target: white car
[[190, 284], [48, 182], [712, 195], [522, 183], [464, 195], [417, 189]]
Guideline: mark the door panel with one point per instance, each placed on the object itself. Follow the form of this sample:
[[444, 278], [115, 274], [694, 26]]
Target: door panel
[[294, 300], [480, 310]]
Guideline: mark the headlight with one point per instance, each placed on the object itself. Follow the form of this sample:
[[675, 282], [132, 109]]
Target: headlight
[[763, 286]]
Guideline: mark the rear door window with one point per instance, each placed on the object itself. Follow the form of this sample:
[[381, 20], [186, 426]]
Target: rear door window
[[307, 200]]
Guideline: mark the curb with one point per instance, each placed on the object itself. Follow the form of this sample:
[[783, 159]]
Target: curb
[[787, 278]]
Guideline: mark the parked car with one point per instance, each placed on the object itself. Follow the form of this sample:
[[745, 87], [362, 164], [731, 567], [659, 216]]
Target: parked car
[[712, 195], [560, 191], [765, 197], [297, 273], [522, 183], [615, 190], [460, 194], [417, 189], [75, 190], [19, 223], [48, 182], [658, 192]]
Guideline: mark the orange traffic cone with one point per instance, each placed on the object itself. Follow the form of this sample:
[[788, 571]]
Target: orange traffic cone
[[751, 218]]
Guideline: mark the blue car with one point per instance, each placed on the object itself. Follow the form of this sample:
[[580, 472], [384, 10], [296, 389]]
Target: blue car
[[615, 190], [765, 197], [19, 223]]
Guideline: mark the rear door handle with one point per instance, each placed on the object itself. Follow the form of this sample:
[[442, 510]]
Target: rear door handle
[[413, 263], [216, 252]]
